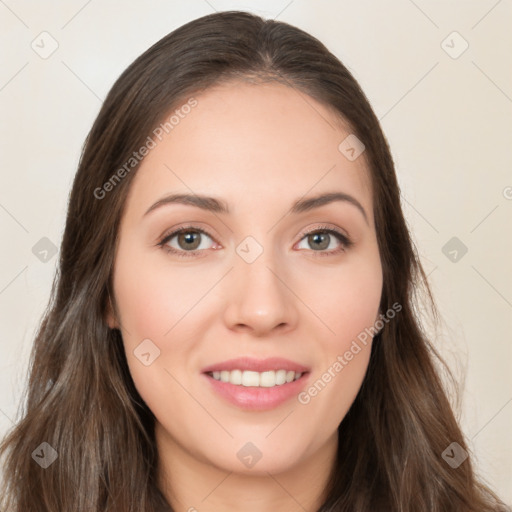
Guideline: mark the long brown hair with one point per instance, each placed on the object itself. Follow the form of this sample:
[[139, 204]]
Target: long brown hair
[[81, 399]]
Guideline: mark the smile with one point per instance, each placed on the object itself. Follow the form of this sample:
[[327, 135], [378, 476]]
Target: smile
[[248, 378]]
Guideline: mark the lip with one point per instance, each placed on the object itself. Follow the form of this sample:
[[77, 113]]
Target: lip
[[257, 365], [251, 398]]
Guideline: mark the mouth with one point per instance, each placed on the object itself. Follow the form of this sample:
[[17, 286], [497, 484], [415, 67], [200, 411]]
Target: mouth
[[257, 385]]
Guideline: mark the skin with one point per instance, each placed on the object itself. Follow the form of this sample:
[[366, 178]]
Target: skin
[[259, 148]]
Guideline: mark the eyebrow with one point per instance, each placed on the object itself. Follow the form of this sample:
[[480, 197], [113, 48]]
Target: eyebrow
[[215, 205]]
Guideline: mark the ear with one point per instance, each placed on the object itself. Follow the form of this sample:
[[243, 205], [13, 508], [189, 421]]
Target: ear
[[110, 315]]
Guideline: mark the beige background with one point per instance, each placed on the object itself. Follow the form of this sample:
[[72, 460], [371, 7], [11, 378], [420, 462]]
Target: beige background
[[447, 116]]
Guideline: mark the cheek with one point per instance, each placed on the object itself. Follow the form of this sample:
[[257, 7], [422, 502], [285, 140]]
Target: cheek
[[346, 301], [153, 297], [152, 301], [160, 302], [348, 304]]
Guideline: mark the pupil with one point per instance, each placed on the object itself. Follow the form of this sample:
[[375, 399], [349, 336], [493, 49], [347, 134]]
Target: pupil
[[190, 237], [317, 237]]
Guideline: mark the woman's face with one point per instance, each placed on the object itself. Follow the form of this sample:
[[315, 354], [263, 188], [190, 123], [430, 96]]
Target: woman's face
[[264, 295]]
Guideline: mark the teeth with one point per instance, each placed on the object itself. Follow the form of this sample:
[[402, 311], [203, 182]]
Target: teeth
[[256, 379]]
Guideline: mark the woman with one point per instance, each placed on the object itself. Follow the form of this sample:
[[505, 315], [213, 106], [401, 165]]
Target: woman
[[233, 323]]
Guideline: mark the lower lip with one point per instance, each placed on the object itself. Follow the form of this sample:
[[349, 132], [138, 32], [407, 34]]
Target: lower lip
[[257, 398]]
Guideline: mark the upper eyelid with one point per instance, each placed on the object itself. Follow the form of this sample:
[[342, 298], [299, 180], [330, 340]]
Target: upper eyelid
[[325, 227], [173, 232]]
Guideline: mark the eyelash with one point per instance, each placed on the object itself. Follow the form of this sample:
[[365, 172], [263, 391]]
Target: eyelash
[[346, 243]]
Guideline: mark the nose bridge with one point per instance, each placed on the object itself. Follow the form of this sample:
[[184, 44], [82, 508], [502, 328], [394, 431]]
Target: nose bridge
[[259, 298]]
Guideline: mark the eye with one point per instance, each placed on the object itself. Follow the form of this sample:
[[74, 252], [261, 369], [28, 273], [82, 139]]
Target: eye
[[324, 238], [188, 241], [185, 241]]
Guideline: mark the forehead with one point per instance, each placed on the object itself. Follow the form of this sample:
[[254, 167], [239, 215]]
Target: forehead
[[252, 144]]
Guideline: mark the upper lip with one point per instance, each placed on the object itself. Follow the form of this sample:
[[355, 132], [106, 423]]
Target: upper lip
[[256, 365]]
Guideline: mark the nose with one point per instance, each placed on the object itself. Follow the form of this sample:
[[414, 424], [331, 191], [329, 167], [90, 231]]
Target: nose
[[259, 300]]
